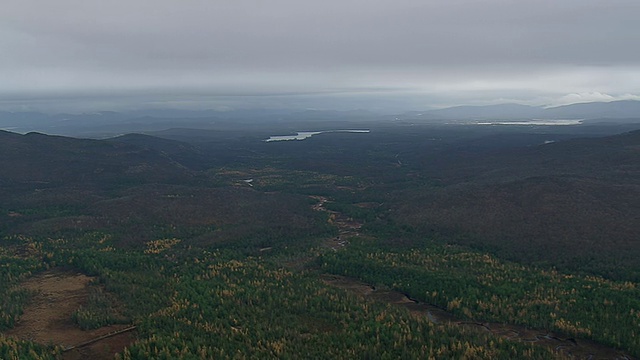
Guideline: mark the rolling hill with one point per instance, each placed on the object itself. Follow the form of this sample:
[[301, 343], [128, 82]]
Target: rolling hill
[[572, 204]]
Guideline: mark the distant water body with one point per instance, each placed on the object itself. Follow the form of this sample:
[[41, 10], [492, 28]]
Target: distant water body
[[540, 122], [307, 134]]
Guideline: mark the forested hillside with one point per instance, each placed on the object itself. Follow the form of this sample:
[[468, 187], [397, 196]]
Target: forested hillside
[[219, 247]]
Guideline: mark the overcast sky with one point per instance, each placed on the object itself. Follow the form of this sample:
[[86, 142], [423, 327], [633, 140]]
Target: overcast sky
[[80, 55]]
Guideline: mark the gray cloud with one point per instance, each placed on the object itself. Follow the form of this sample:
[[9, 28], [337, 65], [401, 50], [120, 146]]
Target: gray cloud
[[462, 50]]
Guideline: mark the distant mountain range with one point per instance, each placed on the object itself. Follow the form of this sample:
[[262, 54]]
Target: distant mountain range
[[109, 123], [624, 109]]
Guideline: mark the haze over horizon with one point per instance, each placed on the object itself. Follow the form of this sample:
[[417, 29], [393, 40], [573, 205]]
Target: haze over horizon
[[74, 56]]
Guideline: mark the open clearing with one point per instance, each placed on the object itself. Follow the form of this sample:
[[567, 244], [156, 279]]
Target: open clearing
[[47, 318]]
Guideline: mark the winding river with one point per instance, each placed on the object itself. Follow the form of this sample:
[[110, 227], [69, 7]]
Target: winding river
[[574, 348]]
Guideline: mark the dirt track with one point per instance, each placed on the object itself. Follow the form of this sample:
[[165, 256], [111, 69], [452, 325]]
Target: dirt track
[[47, 319]]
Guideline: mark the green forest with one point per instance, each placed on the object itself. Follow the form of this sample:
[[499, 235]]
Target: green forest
[[196, 303], [219, 247]]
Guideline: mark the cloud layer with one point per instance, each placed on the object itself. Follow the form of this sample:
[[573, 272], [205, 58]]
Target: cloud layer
[[442, 52]]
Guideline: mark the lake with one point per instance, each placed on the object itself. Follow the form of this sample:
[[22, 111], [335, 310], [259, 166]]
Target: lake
[[307, 134], [542, 122]]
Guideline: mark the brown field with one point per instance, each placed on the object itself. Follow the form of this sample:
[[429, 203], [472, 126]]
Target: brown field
[[47, 319]]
